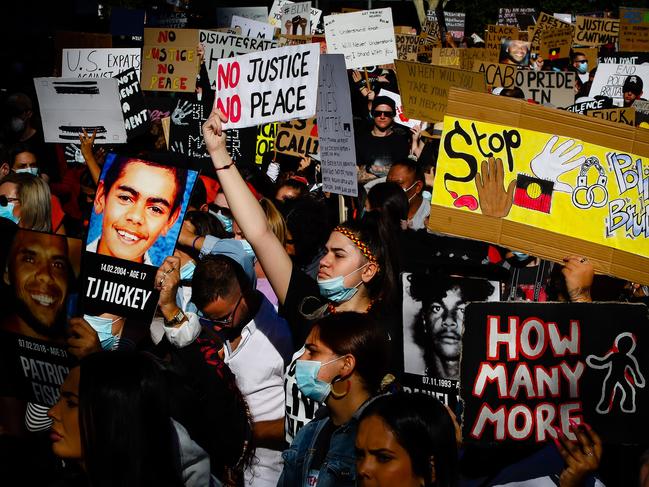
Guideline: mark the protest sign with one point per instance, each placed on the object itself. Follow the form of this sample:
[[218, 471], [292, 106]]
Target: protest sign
[[545, 87], [528, 368], [430, 38], [596, 32], [266, 135], [585, 106], [296, 18], [166, 20], [469, 56], [544, 22], [514, 51], [336, 128], [365, 38], [454, 22], [641, 108], [495, 33], [170, 60], [269, 86], [240, 144], [252, 28], [40, 282], [76, 40], [433, 324], [69, 105], [609, 80], [424, 88], [634, 29], [185, 123], [555, 43], [567, 18], [99, 63], [136, 115], [508, 16], [224, 14], [564, 189], [275, 16], [219, 45], [407, 45], [400, 117], [446, 56], [297, 137], [625, 58], [137, 215], [619, 115]]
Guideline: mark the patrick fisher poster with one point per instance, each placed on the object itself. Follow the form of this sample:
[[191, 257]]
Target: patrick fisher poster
[[136, 218]]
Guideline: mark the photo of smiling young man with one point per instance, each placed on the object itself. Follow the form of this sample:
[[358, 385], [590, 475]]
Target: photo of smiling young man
[[138, 210]]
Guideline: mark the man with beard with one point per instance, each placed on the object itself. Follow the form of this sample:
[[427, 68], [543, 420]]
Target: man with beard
[[439, 326], [38, 271]]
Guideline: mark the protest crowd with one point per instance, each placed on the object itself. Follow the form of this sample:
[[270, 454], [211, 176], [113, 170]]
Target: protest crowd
[[276, 246]]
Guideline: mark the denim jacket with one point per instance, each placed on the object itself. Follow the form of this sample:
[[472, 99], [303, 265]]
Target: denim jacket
[[339, 465]]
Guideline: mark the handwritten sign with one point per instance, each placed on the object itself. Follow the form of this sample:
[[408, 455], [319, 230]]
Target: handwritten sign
[[296, 18], [495, 33], [634, 29], [252, 28], [170, 60], [619, 115], [99, 63], [297, 137], [407, 45], [590, 31], [610, 79]]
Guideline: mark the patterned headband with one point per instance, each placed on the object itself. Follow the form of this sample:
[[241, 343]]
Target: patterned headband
[[365, 250]]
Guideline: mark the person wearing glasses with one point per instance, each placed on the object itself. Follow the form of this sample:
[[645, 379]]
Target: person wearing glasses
[[257, 343], [385, 142]]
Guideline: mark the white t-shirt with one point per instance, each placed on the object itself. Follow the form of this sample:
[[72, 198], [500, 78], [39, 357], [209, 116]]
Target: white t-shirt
[[258, 364], [299, 409], [418, 220]]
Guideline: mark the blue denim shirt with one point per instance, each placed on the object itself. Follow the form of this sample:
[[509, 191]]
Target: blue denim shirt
[[339, 465]]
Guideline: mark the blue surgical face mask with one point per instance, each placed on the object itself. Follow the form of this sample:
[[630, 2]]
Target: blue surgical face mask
[[30, 170], [187, 271], [225, 220], [520, 255], [427, 195], [8, 213], [247, 247], [104, 328], [306, 376], [334, 289], [582, 68]]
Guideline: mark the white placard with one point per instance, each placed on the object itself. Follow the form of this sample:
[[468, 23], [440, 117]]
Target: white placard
[[269, 86], [252, 28], [400, 116], [68, 105], [224, 14], [219, 45], [275, 15], [610, 78], [336, 128], [99, 63], [296, 18], [366, 38]]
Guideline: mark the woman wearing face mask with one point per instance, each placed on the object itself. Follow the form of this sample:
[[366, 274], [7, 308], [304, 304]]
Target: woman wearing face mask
[[112, 423], [26, 200], [344, 361], [408, 440]]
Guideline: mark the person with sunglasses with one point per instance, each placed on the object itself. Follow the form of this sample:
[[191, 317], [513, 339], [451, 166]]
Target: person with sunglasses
[[257, 343], [385, 142]]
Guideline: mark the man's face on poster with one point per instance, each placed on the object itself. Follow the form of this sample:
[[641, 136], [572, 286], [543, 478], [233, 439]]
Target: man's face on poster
[[517, 50], [445, 320], [137, 210], [38, 271]]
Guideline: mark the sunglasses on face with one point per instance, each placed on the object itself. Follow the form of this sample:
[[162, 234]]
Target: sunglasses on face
[[378, 113]]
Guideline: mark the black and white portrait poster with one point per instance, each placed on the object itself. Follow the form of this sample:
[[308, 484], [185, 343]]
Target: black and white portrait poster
[[433, 325]]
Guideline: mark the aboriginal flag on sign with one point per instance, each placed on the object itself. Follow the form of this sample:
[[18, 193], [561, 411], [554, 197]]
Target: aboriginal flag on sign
[[533, 193]]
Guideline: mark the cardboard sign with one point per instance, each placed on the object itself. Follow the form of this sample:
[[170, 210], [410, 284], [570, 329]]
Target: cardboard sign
[[555, 43], [297, 137], [432, 337], [400, 117], [275, 16], [296, 18], [619, 115], [508, 16], [269, 86], [170, 60], [530, 367], [495, 33], [609, 79], [424, 88], [266, 135], [68, 106], [123, 253], [219, 45], [224, 14], [40, 282], [469, 56], [586, 106], [454, 22], [446, 56], [336, 128], [641, 108], [544, 22], [99, 63], [545, 87], [252, 28], [365, 38], [136, 115], [596, 32], [565, 189], [634, 29], [407, 46]]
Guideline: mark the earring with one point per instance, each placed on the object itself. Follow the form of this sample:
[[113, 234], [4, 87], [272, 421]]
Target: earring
[[337, 395]]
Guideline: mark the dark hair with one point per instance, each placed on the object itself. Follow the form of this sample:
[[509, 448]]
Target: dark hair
[[514, 92], [214, 277], [116, 170], [413, 167], [575, 54], [299, 186], [359, 335], [127, 435], [307, 221], [390, 199], [206, 224], [425, 429], [19, 148], [375, 231], [384, 100]]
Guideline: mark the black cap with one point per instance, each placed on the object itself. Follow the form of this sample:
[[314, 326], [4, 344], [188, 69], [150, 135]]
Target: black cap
[[383, 100], [633, 84]]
